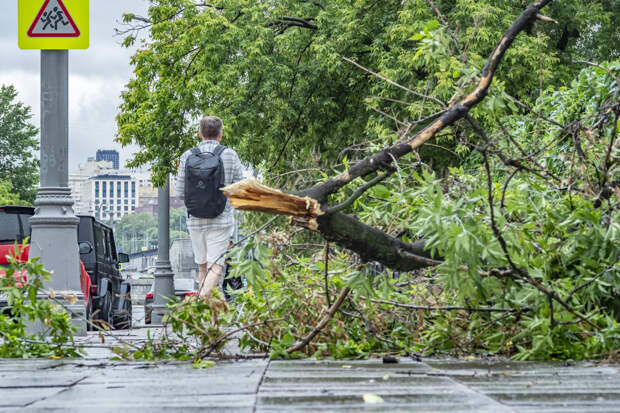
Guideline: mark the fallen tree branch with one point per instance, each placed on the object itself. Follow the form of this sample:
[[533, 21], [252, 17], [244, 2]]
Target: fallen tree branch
[[326, 275], [202, 353], [330, 314], [546, 19], [359, 192], [449, 308], [370, 243]]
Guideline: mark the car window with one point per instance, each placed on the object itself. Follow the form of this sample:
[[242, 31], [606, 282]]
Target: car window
[[100, 244], [9, 227], [25, 218], [110, 245]]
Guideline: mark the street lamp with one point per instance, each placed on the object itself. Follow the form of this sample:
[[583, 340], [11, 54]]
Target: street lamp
[[163, 277], [54, 224]]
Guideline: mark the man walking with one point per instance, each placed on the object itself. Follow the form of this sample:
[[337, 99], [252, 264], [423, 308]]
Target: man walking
[[203, 170]]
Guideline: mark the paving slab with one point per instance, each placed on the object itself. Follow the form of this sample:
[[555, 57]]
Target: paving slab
[[540, 387], [90, 386], [341, 386]]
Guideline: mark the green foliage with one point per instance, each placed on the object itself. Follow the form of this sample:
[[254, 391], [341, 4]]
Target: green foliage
[[285, 300], [18, 145], [19, 284], [290, 101], [194, 329], [560, 237], [8, 196], [566, 239], [136, 231]]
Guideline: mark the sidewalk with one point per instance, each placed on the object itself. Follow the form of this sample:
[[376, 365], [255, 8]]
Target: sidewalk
[[95, 384]]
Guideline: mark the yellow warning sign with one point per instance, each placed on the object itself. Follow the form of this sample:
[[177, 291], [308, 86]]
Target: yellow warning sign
[[53, 24]]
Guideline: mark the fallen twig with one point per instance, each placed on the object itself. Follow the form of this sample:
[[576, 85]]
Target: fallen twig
[[202, 353], [330, 313]]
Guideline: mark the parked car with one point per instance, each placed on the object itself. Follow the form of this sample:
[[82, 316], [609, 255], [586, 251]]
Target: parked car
[[107, 296], [15, 228], [183, 287], [111, 292]]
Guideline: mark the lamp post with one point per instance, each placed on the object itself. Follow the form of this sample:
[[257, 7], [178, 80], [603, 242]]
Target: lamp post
[[163, 277], [54, 224]]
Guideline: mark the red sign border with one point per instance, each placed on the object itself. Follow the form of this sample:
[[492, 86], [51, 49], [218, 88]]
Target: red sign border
[[64, 9]]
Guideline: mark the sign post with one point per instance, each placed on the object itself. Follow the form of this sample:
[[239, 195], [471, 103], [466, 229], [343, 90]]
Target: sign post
[[54, 26]]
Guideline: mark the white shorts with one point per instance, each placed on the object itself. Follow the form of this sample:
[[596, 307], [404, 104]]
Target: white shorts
[[210, 245]]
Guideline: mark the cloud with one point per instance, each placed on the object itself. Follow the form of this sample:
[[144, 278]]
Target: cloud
[[96, 77], [93, 102], [26, 93]]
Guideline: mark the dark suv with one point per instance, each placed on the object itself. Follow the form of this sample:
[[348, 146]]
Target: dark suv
[[111, 293]]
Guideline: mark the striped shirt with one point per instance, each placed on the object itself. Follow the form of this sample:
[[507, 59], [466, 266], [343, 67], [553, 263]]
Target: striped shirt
[[233, 172]]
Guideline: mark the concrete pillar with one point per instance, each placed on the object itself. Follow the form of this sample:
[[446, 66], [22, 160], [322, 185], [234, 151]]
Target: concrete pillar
[[163, 277], [54, 225]]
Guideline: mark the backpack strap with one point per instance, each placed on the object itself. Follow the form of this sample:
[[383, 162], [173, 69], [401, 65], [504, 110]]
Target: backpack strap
[[217, 152], [219, 149]]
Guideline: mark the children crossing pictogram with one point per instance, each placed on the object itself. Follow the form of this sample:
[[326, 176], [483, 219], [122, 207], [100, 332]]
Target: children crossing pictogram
[[53, 20]]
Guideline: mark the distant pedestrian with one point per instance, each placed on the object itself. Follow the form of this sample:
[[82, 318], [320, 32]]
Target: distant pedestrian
[[202, 171]]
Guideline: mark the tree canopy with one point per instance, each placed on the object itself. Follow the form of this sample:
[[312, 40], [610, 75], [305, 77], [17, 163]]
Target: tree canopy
[[8, 196], [18, 145], [274, 71]]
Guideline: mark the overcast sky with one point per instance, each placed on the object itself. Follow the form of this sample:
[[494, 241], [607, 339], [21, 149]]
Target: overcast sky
[[96, 76]]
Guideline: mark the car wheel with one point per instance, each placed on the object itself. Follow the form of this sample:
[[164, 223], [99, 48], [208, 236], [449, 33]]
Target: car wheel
[[147, 314], [129, 310], [122, 320], [89, 314], [107, 310]]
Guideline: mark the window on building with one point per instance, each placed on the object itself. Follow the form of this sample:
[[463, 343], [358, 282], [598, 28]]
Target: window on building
[[126, 189], [126, 201], [111, 189], [118, 201], [118, 208], [96, 189], [104, 189], [118, 189], [133, 189], [126, 208]]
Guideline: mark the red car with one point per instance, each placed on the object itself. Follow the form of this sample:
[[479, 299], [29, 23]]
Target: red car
[[15, 227]]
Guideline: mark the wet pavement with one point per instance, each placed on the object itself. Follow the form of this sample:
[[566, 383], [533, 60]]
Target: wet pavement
[[440, 386], [95, 384]]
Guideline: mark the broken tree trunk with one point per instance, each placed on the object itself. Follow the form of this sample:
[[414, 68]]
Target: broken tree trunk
[[370, 243]]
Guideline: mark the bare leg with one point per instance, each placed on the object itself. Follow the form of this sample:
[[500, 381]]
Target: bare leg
[[202, 274], [211, 280]]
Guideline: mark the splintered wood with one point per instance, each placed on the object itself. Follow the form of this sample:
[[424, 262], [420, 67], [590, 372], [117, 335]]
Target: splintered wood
[[251, 195]]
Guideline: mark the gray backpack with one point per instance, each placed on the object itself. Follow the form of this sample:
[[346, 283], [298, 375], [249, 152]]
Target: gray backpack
[[204, 176]]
